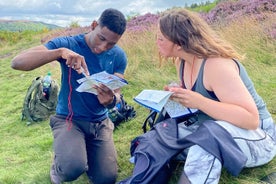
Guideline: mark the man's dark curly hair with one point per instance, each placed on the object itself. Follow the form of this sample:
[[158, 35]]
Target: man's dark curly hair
[[114, 20]]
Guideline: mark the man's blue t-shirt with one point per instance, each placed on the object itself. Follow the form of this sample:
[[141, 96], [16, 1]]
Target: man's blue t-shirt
[[85, 106]]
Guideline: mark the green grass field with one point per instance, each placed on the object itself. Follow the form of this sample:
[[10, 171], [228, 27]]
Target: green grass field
[[26, 151]]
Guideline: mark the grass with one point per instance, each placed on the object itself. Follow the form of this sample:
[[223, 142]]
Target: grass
[[26, 151]]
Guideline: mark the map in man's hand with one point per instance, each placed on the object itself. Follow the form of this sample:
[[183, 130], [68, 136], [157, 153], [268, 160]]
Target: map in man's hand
[[111, 81]]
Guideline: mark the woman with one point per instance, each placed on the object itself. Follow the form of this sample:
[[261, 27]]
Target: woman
[[214, 82]]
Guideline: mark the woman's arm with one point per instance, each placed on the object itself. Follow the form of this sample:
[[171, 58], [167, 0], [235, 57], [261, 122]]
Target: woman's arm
[[235, 104]]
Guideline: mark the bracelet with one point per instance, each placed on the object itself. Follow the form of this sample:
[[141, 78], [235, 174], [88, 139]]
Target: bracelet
[[113, 103]]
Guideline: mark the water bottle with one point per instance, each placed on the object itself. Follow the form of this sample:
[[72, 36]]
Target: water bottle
[[46, 85]]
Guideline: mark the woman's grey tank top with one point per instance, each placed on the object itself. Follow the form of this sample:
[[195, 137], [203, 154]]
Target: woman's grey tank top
[[199, 87]]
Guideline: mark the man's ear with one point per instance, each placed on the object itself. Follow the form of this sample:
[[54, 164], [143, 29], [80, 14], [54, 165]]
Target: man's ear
[[178, 47], [94, 24]]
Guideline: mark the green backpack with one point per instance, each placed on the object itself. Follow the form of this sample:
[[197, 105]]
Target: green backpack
[[36, 106]]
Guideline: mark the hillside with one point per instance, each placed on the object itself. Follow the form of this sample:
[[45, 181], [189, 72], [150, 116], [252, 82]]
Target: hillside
[[26, 152], [22, 25], [220, 12]]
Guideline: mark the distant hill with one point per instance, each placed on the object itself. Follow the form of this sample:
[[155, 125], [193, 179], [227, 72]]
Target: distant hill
[[22, 25]]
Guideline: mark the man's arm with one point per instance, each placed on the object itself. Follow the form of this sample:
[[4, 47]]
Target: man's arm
[[34, 58], [40, 55]]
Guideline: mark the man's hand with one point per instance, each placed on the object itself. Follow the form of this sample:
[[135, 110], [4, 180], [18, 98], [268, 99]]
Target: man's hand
[[75, 61], [105, 95]]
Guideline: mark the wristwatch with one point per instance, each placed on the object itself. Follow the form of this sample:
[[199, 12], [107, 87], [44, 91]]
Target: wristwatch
[[113, 103]]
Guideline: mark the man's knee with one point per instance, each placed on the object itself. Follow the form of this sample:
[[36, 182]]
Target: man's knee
[[72, 170], [104, 178]]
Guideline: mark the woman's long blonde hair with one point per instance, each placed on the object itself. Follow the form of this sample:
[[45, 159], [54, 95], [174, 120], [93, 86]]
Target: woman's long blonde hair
[[194, 35]]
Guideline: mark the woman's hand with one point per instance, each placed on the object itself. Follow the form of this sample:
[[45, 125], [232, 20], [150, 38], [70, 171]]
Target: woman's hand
[[186, 97]]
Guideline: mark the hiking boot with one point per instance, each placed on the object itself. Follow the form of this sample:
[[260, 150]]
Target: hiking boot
[[53, 176]]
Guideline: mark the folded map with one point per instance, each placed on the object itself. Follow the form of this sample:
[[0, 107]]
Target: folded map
[[111, 81], [156, 100]]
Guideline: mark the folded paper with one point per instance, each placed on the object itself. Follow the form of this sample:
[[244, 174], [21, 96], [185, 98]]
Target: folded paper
[[111, 81], [156, 100]]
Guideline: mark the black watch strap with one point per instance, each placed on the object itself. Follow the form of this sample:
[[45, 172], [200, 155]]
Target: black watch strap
[[113, 103]]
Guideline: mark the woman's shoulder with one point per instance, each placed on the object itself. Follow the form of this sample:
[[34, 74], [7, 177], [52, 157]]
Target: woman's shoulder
[[217, 60], [220, 64], [219, 69]]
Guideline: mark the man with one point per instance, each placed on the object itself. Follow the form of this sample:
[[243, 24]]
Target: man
[[81, 128]]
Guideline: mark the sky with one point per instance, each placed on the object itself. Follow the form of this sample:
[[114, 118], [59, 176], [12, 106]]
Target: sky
[[83, 12]]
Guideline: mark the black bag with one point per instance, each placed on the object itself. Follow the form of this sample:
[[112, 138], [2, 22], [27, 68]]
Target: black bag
[[153, 155], [122, 112], [165, 172], [154, 117]]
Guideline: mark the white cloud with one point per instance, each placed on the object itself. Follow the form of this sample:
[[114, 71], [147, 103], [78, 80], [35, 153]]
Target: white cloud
[[141, 7], [64, 12]]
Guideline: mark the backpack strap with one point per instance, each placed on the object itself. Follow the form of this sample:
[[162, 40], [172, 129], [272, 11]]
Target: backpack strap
[[52, 101], [150, 120], [28, 98], [154, 118]]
